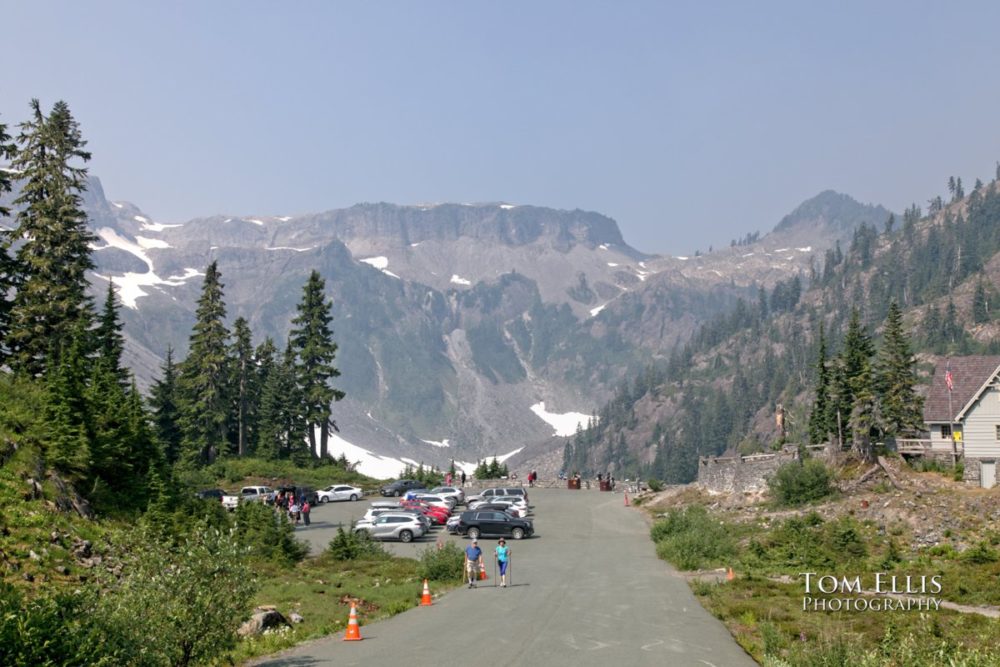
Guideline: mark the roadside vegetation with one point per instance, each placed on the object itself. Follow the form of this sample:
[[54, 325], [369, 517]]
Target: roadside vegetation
[[769, 547]]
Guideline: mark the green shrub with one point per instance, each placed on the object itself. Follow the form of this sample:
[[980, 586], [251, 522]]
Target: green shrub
[[654, 485], [199, 589], [981, 554], [800, 482], [351, 545], [959, 474], [267, 534], [692, 539], [442, 564]]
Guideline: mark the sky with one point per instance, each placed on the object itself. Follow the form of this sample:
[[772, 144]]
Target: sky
[[688, 123]]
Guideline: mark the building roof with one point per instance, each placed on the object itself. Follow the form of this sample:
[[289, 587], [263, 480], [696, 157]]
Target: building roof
[[968, 374]]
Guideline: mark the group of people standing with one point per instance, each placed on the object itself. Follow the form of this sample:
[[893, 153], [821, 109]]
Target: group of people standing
[[298, 509]]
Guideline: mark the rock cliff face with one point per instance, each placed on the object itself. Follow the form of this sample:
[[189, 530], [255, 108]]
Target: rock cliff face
[[452, 320]]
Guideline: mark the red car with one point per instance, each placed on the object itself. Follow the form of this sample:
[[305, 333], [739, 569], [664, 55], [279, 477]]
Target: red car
[[438, 515]]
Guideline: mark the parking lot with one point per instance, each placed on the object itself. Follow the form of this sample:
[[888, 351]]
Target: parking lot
[[326, 518], [587, 590]]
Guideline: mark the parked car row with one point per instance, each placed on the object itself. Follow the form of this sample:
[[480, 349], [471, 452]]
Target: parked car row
[[494, 512], [268, 495]]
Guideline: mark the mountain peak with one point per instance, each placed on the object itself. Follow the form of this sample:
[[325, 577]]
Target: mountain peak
[[827, 218]]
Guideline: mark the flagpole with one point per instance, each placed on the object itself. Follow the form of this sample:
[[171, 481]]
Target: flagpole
[[951, 414]]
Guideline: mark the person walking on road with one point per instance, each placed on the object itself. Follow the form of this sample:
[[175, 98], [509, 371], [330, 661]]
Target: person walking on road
[[473, 562], [463, 479], [503, 557], [305, 512]]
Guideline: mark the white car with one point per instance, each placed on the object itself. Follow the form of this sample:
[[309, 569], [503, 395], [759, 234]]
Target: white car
[[391, 526], [517, 501], [340, 492], [450, 491]]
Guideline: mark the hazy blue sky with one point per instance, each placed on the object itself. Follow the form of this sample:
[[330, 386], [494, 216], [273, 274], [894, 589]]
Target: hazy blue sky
[[689, 124]]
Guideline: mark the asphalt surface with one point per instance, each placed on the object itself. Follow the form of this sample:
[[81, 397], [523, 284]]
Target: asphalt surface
[[588, 589]]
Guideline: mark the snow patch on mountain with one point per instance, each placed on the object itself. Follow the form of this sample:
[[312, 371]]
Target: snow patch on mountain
[[458, 280], [148, 243], [284, 247], [130, 285], [564, 423], [594, 311], [255, 221], [156, 226], [380, 263], [368, 463], [436, 443]]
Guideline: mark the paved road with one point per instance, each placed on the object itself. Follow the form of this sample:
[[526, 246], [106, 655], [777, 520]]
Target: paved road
[[587, 590]]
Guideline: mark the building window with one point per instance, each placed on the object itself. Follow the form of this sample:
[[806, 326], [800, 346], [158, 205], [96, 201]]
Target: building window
[[998, 431], [946, 431]]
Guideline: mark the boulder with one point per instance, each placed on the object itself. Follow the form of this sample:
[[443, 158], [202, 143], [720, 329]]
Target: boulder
[[260, 621]]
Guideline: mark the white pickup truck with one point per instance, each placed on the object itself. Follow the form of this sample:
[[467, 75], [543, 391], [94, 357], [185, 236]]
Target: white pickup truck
[[262, 494]]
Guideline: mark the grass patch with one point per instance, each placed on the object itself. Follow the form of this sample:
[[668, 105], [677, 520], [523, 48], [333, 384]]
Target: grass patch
[[767, 620], [320, 589]]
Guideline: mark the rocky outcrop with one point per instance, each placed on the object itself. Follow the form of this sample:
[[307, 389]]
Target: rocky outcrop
[[262, 620]]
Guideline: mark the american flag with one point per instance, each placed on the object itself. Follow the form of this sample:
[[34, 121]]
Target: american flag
[[948, 380]]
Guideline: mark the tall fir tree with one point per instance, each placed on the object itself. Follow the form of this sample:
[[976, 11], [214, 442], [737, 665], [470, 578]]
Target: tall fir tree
[[54, 252], [901, 406], [980, 309], [204, 376], [819, 423], [243, 389], [67, 446], [858, 351], [163, 399], [108, 340], [281, 422], [7, 265], [312, 339]]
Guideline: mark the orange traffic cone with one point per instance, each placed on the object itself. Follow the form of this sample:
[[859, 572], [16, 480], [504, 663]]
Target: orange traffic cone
[[482, 572], [353, 630], [425, 599], [626, 499], [729, 575]]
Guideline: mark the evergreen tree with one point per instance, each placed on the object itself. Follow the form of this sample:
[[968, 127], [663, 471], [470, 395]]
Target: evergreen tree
[[819, 425], [7, 266], [281, 424], [204, 376], [54, 252], [866, 420], [980, 311], [67, 445], [858, 350], [108, 339], [243, 388], [115, 470], [166, 413], [933, 335], [312, 339], [901, 407]]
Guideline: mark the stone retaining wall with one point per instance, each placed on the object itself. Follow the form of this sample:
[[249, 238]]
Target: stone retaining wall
[[740, 474]]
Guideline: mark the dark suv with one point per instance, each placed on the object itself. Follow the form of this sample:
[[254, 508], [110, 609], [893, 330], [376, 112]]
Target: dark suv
[[493, 523], [401, 486]]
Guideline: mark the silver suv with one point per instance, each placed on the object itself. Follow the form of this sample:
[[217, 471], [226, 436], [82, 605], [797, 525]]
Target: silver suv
[[402, 527], [490, 494]]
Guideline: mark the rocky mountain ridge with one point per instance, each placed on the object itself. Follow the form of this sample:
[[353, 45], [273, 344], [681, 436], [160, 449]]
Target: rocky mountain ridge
[[454, 321]]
